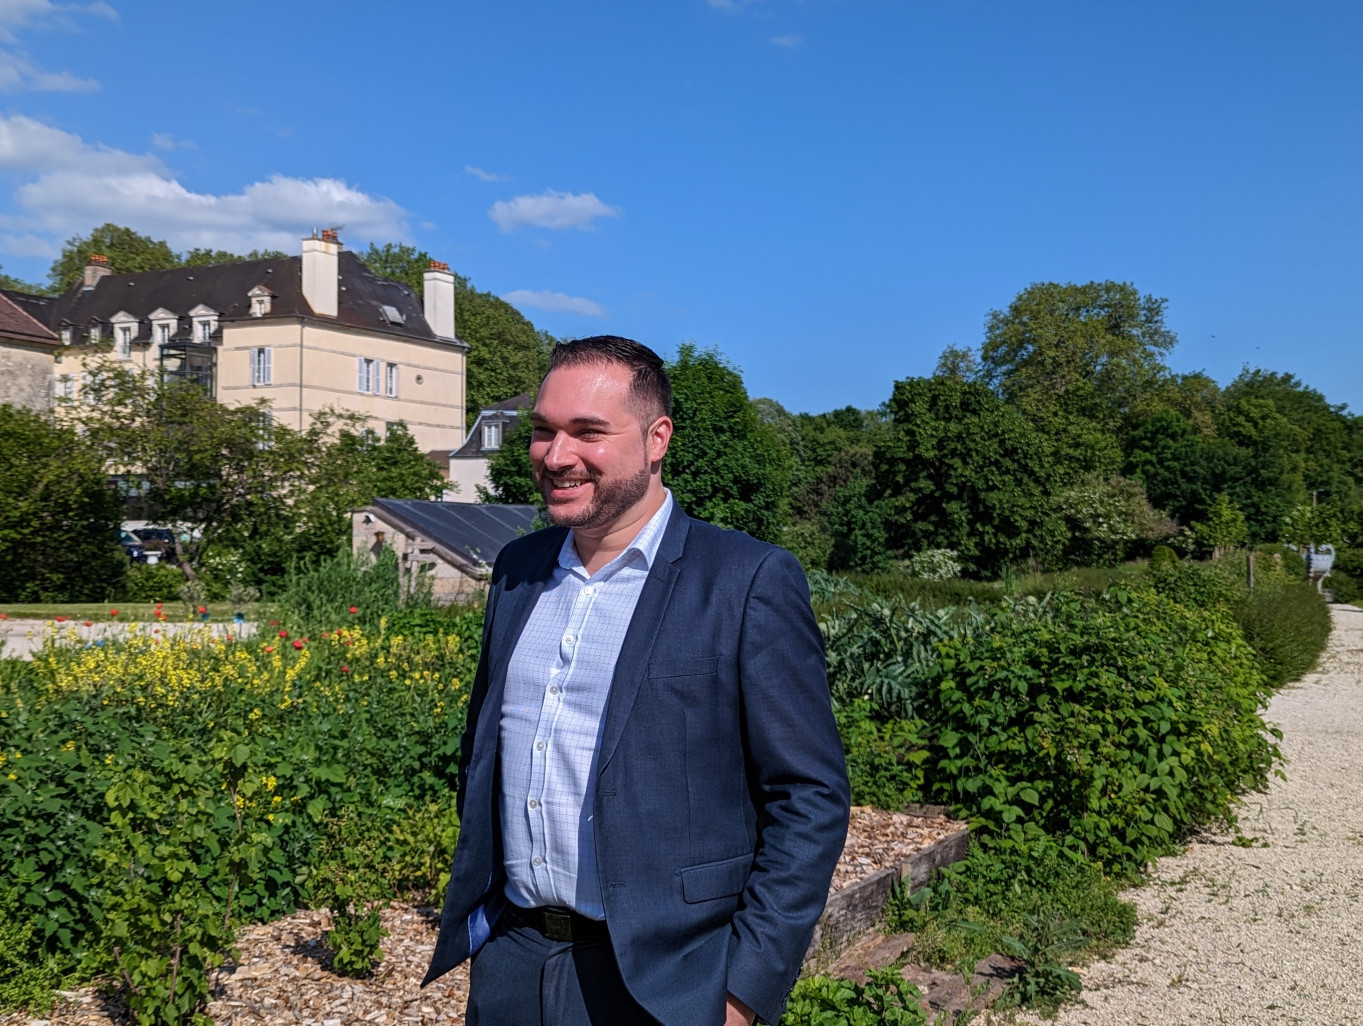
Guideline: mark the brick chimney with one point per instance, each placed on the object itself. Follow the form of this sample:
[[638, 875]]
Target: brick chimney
[[321, 259], [438, 298], [97, 268]]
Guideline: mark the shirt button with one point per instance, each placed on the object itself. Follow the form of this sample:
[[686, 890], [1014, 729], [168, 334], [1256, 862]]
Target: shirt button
[[534, 803], [567, 639], [537, 861], [553, 689], [588, 590], [539, 746]]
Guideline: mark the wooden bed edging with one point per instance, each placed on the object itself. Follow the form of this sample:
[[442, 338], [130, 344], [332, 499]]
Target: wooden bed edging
[[852, 911]]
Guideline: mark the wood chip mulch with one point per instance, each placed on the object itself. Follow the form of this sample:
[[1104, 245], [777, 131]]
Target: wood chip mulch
[[878, 840], [283, 975]]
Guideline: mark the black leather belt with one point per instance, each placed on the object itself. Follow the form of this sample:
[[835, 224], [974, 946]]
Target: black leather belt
[[559, 924]]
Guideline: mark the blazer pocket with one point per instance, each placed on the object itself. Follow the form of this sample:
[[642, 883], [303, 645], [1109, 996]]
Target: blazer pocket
[[698, 667], [712, 880]]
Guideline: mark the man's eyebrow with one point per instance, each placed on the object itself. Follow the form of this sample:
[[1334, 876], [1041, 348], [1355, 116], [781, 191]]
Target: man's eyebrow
[[599, 422]]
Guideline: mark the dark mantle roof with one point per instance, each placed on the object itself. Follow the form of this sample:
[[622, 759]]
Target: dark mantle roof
[[475, 533], [223, 288]]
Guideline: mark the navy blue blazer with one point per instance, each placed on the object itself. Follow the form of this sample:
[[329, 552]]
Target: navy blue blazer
[[722, 796]]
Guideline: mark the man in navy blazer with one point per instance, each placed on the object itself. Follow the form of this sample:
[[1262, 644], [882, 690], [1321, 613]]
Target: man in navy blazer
[[652, 792]]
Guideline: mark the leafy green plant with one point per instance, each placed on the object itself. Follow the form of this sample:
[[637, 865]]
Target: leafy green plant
[[28, 975], [885, 1000], [157, 582], [1288, 627], [884, 757], [1044, 947]]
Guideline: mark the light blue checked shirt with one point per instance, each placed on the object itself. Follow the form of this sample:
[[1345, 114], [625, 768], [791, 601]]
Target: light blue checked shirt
[[553, 709]]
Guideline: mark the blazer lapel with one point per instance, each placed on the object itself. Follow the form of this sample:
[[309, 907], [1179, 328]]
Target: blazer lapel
[[520, 591], [643, 628]]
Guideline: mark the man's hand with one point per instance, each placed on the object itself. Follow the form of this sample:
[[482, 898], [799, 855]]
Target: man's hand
[[736, 1013]]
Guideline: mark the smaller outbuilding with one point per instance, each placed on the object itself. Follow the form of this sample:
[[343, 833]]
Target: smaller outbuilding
[[449, 545]]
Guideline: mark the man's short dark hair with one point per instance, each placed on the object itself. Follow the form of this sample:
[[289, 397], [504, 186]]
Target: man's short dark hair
[[650, 390]]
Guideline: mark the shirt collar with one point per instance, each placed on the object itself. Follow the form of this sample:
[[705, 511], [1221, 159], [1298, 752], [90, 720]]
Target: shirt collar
[[644, 548]]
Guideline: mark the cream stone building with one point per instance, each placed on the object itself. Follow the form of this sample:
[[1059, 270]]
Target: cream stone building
[[308, 332]]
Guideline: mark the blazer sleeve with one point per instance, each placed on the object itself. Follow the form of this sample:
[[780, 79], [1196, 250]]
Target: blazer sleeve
[[798, 780]]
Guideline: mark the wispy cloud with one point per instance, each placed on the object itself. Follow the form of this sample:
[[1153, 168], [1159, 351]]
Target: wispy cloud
[[18, 72], [551, 209], [72, 185], [790, 40], [166, 141], [554, 302], [731, 5], [485, 176]]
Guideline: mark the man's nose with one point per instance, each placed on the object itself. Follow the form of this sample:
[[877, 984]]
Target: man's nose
[[559, 454]]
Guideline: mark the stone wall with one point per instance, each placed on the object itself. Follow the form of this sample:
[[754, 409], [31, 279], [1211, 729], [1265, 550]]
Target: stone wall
[[26, 375]]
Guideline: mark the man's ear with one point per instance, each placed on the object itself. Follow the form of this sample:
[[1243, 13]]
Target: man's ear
[[657, 438]]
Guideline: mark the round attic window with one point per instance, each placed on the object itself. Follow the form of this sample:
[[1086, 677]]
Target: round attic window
[[419, 379]]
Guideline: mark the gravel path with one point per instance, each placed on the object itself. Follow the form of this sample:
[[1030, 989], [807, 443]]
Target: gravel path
[[1265, 934]]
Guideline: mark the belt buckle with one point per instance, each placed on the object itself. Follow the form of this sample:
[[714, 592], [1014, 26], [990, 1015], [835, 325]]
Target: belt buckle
[[558, 926]]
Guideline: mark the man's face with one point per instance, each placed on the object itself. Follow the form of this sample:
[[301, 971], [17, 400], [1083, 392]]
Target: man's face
[[591, 456]]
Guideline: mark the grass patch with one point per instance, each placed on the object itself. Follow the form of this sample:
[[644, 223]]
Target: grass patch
[[131, 612], [1288, 627]]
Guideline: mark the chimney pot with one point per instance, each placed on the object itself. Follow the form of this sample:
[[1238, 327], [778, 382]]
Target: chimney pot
[[97, 268], [438, 298], [321, 273]]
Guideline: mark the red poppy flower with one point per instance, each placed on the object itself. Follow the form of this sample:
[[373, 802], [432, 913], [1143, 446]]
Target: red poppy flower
[[297, 644], [269, 648], [113, 612], [345, 669], [88, 623], [203, 609], [354, 609], [283, 634]]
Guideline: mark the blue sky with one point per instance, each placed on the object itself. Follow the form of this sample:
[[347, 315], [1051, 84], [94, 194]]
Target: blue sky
[[830, 191]]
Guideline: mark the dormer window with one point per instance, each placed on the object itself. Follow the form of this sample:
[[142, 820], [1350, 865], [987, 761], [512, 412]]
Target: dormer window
[[66, 334], [125, 330], [163, 325], [260, 298], [492, 436], [95, 334], [125, 342], [205, 322]]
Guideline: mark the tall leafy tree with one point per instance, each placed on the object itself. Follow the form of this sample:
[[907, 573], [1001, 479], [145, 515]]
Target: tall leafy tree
[[510, 472], [724, 464], [127, 252], [962, 470], [1094, 351], [59, 515]]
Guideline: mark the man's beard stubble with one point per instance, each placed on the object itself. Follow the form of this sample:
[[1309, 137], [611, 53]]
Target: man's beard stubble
[[613, 499]]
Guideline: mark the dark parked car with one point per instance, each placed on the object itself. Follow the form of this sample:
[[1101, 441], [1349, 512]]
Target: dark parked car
[[156, 537], [132, 546]]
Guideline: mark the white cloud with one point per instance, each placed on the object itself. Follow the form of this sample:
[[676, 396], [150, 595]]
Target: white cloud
[[17, 71], [485, 176], [554, 302], [166, 141], [551, 209], [789, 40], [73, 186]]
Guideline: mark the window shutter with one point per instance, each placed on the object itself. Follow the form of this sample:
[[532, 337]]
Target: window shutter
[[269, 368]]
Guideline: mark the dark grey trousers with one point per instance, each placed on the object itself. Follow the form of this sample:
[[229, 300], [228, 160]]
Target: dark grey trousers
[[521, 978]]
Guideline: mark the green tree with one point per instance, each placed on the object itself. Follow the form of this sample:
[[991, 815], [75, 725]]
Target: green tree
[[59, 516], [856, 525], [18, 285], [509, 470], [205, 466], [207, 257], [1179, 467], [126, 250], [724, 465], [962, 470], [1094, 351], [1225, 527], [1264, 473], [1305, 525], [1107, 517]]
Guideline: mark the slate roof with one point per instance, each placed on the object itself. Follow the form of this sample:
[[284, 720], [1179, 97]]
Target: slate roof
[[474, 533], [507, 412], [16, 322], [224, 288]]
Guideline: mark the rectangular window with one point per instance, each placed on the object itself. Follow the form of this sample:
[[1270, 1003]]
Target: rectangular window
[[66, 336], [492, 436], [366, 379], [260, 366], [125, 342], [66, 387], [391, 381], [205, 331], [163, 333], [94, 334]]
